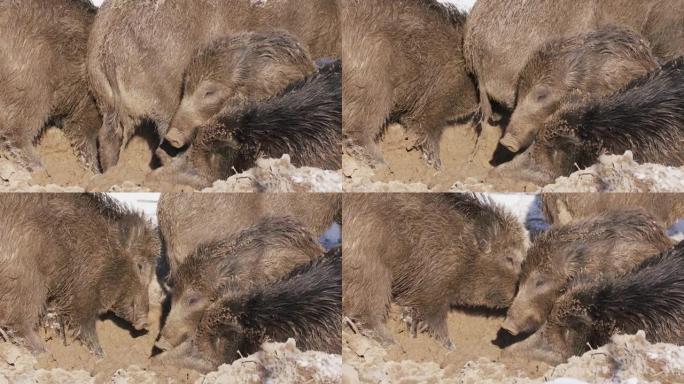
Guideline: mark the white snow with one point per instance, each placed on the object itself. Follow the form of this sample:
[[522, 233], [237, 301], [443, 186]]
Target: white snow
[[97, 2], [462, 5]]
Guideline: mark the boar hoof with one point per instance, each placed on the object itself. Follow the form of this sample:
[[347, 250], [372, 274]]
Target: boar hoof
[[510, 143]]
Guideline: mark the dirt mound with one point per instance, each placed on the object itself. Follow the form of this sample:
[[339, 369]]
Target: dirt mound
[[63, 173]]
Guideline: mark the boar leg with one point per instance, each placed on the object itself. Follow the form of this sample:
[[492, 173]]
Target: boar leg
[[88, 336], [367, 98], [33, 341], [435, 322], [110, 139], [81, 128]]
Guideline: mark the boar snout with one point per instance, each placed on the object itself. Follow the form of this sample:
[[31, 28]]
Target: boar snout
[[521, 318], [142, 323], [176, 138], [163, 344], [511, 142]]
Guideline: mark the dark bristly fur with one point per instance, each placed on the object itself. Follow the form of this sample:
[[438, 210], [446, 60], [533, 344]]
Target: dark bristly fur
[[646, 117], [304, 122], [259, 254], [43, 78], [446, 249], [233, 71], [403, 62], [138, 51], [648, 298], [79, 255], [606, 244], [596, 63]]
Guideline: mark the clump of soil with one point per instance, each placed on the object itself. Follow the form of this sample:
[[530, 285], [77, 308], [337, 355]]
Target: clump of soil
[[64, 173]]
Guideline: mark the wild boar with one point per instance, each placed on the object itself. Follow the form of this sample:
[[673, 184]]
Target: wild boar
[[604, 245], [403, 62], [304, 122], [304, 305], [597, 63], [43, 79], [262, 253], [561, 208], [645, 117], [187, 220], [649, 298], [427, 253], [139, 50], [79, 255], [233, 70], [501, 35]]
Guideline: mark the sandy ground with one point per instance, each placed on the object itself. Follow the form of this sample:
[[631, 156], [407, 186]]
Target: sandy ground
[[465, 168], [64, 173]]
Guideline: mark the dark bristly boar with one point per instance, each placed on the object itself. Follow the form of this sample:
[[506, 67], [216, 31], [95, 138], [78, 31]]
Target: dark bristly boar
[[304, 122], [259, 254], [187, 220], [138, 51], [649, 298], [43, 79], [597, 63], [645, 117], [79, 255], [501, 36], [305, 305], [231, 71], [403, 62], [597, 247], [561, 208], [427, 253]]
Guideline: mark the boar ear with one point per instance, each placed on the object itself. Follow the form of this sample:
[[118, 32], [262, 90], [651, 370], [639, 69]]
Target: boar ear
[[574, 259], [578, 320]]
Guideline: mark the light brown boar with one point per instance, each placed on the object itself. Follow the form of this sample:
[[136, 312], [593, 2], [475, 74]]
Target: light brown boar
[[426, 253], [43, 79], [597, 247], [232, 71], [78, 255], [139, 49], [561, 208], [501, 36], [596, 63], [187, 220], [258, 254], [402, 62]]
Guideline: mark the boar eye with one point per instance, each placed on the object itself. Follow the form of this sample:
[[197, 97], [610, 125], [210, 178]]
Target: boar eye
[[209, 93], [140, 267], [539, 283]]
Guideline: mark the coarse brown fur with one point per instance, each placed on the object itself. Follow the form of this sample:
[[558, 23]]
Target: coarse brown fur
[[138, 51], [596, 63], [304, 305], [187, 220], [501, 35], [78, 255], [43, 78], [561, 208], [259, 254], [402, 62], [232, 71], [427, 253], [607, 244], [649, 298]]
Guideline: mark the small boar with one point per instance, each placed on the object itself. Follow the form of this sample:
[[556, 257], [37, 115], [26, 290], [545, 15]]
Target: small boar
[[597, 63], [608, 244], [645, 117], [138, 52], [43, 78], [187, 220], [304, 122], [79, 255], [649, 298], [229, 72], [561, 208], [304, 305], [427, 253], [261, 253], [403, 62], [501, 36]]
